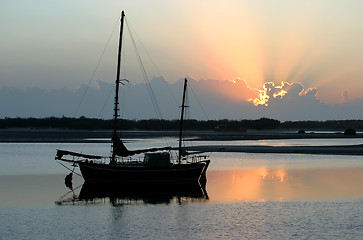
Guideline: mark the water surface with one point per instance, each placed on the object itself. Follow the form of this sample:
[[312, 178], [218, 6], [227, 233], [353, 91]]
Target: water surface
[[247, 196]]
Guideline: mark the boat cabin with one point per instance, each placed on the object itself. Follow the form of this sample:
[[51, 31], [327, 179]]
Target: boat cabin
[[157, 159]]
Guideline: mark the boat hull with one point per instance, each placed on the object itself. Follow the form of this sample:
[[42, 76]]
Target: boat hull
[[128, 173]]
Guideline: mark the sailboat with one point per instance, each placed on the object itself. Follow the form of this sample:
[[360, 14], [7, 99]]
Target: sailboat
[[157, 166]]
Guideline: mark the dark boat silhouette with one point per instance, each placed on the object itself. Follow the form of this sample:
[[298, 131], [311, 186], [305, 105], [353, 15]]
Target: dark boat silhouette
[[157, 166]]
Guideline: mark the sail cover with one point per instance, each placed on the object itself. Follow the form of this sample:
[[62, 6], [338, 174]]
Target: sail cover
[[121, 150], [61, 153]]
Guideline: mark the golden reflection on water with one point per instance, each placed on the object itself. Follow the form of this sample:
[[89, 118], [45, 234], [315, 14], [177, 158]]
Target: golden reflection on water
[[263, 184], [223, 185]]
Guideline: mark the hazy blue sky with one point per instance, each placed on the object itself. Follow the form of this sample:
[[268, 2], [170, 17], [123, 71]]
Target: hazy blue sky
[[283, 59]]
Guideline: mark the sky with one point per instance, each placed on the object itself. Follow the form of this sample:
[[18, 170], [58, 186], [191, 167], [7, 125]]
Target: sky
[[288, 60]]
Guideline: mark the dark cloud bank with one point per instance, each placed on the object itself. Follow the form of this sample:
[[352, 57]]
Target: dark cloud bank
[[136, 103]]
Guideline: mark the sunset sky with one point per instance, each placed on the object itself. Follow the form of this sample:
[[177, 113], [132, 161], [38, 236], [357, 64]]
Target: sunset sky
[[255, 54]]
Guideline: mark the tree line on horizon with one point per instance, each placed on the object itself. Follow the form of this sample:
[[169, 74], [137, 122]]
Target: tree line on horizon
[[83, 123]]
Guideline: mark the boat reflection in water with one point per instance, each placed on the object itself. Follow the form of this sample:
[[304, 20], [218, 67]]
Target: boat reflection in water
[[95, 193]]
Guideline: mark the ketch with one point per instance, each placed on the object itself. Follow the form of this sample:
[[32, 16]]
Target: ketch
[[158, 166]]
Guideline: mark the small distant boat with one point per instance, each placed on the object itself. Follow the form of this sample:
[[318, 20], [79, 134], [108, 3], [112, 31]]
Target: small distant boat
[[157, 165]]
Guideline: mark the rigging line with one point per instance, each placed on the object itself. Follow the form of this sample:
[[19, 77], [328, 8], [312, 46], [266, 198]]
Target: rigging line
[[169, 89], [69, 169], [200, 105], [123, 73], [187, 116], [122, 92], [132, 32], [96, 68], [61, 199], [105, 103], [123, 62], [152, 95], [169, 140], [122, 112], [153, 63]]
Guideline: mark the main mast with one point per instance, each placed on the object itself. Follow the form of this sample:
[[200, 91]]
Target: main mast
[[115, 115], [181, 121]]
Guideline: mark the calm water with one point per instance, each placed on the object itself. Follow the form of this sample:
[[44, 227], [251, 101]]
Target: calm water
[[247, 196]]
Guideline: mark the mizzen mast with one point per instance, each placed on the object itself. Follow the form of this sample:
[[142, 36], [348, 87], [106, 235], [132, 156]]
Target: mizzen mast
[[181, 121]]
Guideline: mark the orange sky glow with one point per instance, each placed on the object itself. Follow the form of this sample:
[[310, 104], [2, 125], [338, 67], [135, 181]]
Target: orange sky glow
[[261, 51], [247, 41]]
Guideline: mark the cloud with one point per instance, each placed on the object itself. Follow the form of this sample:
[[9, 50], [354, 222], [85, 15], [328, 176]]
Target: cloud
[[208, 99], [311, 92], [285, 90], [235, 90]]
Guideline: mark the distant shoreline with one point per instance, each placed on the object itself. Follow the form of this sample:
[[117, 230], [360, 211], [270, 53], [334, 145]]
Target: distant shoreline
[[320, 150], [84, 136], [79, 136]]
